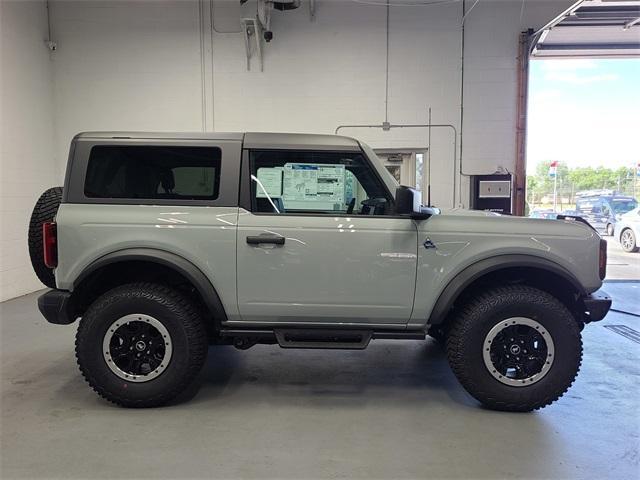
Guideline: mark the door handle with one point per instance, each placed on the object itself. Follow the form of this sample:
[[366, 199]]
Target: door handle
[[256, 240]]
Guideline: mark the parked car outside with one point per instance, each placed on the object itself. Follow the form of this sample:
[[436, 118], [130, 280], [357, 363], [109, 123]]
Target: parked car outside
[[603, 208], [548, 214], [627, 230], [573, 213]]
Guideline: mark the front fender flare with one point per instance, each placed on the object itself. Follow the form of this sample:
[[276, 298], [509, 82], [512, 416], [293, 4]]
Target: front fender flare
[[471, 273]]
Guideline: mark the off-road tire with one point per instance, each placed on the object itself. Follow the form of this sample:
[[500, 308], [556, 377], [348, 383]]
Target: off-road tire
[[174, 311], [44, 211], [465, 343]]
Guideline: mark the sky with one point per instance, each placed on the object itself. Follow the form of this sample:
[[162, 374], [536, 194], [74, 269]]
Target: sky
[[584, 112]]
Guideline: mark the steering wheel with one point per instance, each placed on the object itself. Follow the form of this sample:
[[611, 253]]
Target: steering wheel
[[373, 206], [351, 206]]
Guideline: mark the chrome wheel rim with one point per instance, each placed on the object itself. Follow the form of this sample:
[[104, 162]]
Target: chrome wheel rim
[[137, 348], [627, 240], [518, 351]]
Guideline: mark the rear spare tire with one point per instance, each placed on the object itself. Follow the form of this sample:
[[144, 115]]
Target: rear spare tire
[[44, 211]]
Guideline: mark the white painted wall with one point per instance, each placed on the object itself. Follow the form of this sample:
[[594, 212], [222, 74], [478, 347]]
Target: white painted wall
[[125, 66], [490, 78], [144, 66], [158, 65], [27, 153]]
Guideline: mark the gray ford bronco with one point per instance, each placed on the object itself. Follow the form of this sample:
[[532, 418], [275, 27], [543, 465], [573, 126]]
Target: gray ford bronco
[[165, 244]]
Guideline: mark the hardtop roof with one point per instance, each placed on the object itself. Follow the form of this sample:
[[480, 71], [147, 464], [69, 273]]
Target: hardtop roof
[[306, 141]]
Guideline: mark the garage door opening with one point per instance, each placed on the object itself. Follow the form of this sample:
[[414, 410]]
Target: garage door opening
[[582, 133], [582, 154]]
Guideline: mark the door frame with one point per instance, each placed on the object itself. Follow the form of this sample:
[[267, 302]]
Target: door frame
[[245, 203], [408, 164]]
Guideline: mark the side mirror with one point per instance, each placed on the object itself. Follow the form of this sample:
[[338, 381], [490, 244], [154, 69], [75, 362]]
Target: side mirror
[[409, 202]]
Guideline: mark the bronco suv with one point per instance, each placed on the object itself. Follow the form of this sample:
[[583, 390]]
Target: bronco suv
[[164, 244]]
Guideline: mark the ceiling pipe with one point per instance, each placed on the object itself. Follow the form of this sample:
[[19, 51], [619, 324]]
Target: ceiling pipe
[[462, 38], [464, 16], [386, 91]]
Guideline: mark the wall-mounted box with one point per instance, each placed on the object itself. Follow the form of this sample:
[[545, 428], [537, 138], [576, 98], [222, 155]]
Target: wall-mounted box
[[492, 193]]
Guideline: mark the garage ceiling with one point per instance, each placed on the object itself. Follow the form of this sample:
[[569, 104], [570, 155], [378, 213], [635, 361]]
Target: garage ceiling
[[592, 28]]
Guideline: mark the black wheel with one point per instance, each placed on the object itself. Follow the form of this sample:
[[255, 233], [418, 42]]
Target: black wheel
[[515, 348], [628, 241], [141, 345], [609, 229], [44, 211]]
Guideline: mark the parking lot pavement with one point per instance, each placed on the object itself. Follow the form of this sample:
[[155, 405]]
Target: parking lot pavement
[[620, 264]]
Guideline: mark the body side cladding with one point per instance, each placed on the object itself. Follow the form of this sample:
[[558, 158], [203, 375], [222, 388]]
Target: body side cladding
[[466, 277], [172, 261]]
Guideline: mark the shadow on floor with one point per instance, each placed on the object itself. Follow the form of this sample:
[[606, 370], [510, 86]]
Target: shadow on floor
[[338, 378]]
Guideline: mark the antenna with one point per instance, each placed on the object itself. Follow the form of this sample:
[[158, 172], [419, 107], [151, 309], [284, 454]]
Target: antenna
[[429, 163]]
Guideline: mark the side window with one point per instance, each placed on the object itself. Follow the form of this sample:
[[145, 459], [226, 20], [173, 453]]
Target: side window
[[585, 205], [153, 172], [596, 207], [290, 182]]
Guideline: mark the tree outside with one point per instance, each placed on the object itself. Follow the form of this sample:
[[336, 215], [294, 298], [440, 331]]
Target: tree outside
[[573, 180]]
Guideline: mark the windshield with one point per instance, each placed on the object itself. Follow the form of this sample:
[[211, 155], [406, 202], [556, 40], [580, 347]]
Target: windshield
[[623, 206], [389, 180]]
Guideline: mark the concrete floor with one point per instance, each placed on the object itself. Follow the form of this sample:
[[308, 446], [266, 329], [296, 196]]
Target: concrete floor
[[621, 265], [392, 411]]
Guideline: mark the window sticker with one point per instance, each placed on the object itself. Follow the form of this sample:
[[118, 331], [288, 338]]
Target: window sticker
[[271, 181], [313, 186], [300, 182]]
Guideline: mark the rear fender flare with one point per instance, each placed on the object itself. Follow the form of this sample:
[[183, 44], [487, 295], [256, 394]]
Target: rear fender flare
[[179, 264]]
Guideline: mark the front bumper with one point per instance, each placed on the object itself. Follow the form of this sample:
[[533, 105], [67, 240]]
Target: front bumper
[[57, 307], [596, 306]]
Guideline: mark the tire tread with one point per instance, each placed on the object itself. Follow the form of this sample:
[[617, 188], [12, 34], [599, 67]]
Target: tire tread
[[44, 210], [173, 300], [479, 306]]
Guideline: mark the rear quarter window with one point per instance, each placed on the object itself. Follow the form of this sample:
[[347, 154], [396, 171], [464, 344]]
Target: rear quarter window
[[150, 173]]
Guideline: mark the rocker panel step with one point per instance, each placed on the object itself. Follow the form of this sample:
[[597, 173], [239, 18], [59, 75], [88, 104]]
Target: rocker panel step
[[318, 338]]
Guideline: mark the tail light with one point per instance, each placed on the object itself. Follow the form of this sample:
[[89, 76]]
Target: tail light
[[50, 244], [603, 259]]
